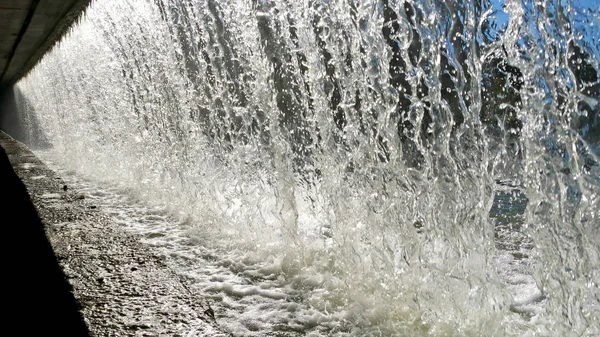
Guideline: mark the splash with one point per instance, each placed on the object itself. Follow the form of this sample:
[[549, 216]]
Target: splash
[[351, 149]]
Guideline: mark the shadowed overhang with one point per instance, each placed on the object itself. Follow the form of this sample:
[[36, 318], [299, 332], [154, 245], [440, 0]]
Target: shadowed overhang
[[28, 29]]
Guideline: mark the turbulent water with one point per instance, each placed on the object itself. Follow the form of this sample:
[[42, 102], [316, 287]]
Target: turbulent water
[[341, 167]]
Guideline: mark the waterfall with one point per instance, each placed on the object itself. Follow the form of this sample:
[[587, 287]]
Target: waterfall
[[342, 157]]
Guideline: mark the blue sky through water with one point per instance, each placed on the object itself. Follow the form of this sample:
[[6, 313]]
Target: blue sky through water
[[583, 14]]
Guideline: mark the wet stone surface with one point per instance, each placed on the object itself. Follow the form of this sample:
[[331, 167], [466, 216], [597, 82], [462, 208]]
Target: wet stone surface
[[122, 287]]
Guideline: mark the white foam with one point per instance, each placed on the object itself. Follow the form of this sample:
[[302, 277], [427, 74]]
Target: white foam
[[50, 196]]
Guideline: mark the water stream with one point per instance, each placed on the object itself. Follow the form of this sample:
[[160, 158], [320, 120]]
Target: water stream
[[341, 167]]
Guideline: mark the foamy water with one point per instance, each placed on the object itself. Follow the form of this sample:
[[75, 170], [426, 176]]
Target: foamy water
[[344, 167], [257, 291]]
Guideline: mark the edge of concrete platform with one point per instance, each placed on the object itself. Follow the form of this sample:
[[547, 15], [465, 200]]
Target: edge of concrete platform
[[122, 287]]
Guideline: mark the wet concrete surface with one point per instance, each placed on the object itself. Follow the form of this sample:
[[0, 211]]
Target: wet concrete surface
[[119, 286]]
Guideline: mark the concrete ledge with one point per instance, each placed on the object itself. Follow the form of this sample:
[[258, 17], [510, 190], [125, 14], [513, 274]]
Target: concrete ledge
[[121, 287], [37, 299], [32, 28]]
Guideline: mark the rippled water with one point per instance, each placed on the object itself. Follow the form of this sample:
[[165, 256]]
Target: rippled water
[[344, 167]]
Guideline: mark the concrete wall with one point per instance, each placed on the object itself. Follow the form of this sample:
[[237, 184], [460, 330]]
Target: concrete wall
[[18, 119]]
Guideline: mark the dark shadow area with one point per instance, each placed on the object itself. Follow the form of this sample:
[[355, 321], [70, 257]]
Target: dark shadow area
[[18, 119], [38, 300]]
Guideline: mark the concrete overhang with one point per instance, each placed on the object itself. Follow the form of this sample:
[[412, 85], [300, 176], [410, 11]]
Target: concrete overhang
[[28, 29]]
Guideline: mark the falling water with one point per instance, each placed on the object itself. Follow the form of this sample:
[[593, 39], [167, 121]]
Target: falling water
[[342, 167]]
